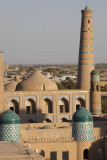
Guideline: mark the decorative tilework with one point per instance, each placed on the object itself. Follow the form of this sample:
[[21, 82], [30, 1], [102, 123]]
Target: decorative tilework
[[83, 131], [95, 78], [10, 132], [64, 116], [30, 97], [50, 117], [15, 98], [47, 96], [30, 117], [80, 96], [63, 96]]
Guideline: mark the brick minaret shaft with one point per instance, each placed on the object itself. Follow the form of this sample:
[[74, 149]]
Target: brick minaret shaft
[[1, 83], [86, 51]]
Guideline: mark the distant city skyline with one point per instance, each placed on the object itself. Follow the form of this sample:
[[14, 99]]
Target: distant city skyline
[[48, 31]]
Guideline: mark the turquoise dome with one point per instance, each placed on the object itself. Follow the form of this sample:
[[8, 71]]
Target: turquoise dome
[[82, 115], [95, 72], [86, 8], [9, 117]]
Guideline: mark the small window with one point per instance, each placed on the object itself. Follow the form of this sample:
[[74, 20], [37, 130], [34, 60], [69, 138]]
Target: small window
[[53, 155], [43, 87], [97, 87], [42, 153], [88, 21], [65, 155], [27, 109], [61, 108], [86, 154], [66, 108], [77, 107], [50, 108], [12, 108]]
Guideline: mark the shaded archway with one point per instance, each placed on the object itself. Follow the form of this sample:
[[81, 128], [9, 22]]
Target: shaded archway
[[47, 106], [14, 106], [64, 120], [31, 121], [86, 154], [47, 120], [63, 106], [42, 153], [30, 106], [80, 103]]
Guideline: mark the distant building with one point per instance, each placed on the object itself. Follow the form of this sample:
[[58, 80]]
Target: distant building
[[66, 77]]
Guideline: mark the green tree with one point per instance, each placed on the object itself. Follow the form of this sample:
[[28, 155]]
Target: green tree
[[104, 105], [68, 84], [104, 89]]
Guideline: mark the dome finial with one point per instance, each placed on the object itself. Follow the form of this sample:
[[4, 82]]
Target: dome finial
[[86, 8]]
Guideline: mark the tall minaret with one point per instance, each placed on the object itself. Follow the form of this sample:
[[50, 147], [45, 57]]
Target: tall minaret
[[86, 51], [1, 82]]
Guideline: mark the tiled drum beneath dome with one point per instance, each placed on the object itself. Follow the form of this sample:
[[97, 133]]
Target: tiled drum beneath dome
[[10, 132], [83, 131]]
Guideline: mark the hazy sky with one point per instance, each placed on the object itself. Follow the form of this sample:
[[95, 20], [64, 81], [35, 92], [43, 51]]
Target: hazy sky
[[48, 31]]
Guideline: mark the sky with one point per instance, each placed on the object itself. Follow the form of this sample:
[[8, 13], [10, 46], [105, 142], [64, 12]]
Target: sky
[[48, 31]]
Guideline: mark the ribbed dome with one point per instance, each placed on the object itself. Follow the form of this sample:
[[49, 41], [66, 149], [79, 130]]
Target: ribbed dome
[[36, 82], [82, 115], [86, 8], [10, 86], [95, 75], [95, 72], [9, 117]]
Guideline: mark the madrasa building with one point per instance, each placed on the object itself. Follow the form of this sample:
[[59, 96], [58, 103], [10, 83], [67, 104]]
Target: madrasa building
[[72, 133]]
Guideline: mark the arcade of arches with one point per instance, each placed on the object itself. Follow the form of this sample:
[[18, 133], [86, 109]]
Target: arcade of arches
[[50, 106]]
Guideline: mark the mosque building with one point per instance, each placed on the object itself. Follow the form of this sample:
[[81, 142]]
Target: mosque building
[[73, 133]]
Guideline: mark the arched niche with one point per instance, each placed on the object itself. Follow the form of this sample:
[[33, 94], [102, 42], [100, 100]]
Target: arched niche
[[31, 121], [80, 103], [63, 106], [47, 120], [30, 106], [14, 106], [64, 120], [47, 106], [86, 154]]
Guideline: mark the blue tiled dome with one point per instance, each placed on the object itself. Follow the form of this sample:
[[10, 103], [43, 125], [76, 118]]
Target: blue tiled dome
[[9, 126], [95, 72], [9, 117], [95, 75], [82, 115]]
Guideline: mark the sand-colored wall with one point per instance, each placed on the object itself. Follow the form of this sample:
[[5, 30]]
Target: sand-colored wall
[[58, 137], [41, 111]]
